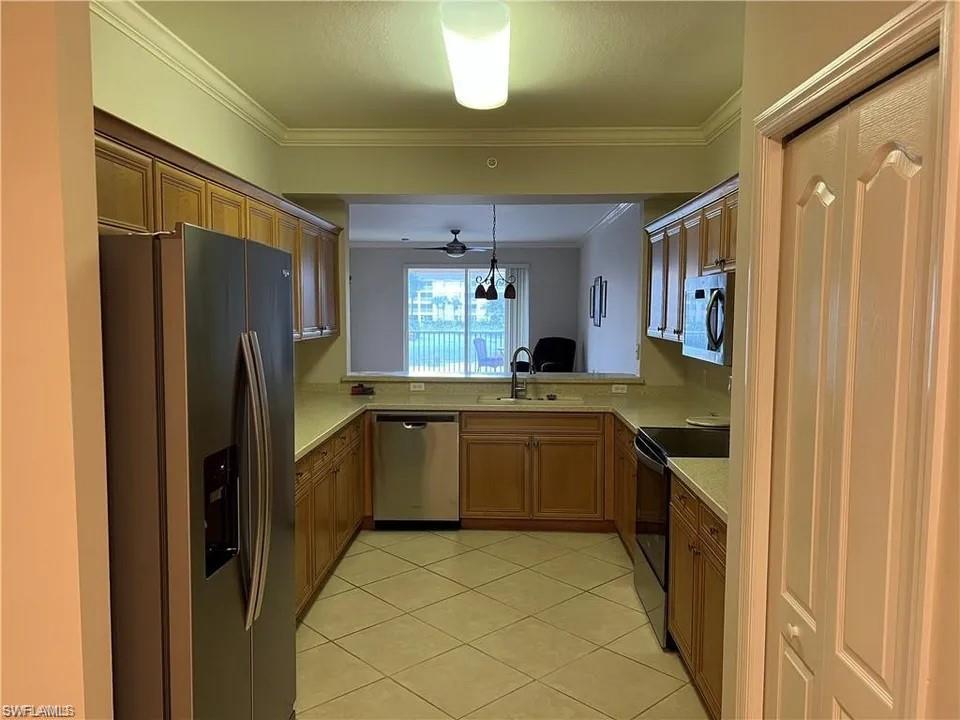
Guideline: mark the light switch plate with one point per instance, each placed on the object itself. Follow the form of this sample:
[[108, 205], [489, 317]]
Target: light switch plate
[[619, 389], [416, 387]]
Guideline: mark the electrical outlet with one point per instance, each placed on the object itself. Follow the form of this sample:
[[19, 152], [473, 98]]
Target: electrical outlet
[[416, 387], [618, 389]]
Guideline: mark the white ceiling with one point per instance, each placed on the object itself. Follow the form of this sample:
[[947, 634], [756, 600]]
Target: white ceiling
[[377, 64], [430, 224]]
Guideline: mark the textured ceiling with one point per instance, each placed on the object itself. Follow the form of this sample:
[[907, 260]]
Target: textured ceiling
[[382, 64], [430, 224]]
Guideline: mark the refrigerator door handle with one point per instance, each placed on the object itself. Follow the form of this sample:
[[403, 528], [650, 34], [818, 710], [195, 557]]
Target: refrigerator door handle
[[267, 477], [256, 409]]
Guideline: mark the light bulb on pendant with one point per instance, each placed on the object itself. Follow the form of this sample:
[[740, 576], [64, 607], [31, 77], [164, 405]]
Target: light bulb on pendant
[[492, 291], [510, 292]]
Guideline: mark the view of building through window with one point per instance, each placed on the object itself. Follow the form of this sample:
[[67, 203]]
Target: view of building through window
[[449, 332]]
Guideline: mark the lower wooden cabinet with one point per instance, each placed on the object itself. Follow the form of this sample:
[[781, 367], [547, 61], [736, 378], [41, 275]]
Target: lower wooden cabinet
[[696, 592], [538, 465], [625, 491], [329, 508], [494, 476]]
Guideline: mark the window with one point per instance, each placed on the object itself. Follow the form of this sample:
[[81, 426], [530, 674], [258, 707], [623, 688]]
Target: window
[[449, 332]]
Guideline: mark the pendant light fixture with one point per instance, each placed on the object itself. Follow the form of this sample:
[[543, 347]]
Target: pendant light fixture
[[494, 275]]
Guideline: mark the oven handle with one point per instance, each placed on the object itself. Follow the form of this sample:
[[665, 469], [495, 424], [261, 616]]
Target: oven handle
[[644, 456]]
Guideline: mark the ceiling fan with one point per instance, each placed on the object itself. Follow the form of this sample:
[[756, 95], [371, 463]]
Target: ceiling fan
[[455, 248]]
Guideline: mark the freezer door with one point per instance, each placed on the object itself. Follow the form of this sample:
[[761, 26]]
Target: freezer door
[[269, 316], [204, 316]]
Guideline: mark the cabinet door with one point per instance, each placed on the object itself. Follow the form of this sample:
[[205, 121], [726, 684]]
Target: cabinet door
[[568, 477], [357, 470], [303, 547], [673, 290], [323, 525], [261, 222], [657, 286], [711, 245], [227, 210], [310, 288], [179, 197], [493, 476], [731, 205], [329, 284], [288, 231], [709, 661], [692, 240], [682, 610], [630, 503], [347, 477], [124, 186]]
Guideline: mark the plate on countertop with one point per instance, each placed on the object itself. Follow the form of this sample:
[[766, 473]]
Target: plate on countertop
[[714, 421]]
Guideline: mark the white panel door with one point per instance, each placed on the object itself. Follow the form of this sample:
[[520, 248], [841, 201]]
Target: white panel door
[[884, 332], [854, 318], [804, 391]]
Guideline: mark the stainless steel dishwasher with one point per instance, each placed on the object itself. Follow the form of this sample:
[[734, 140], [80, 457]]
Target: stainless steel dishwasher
[[416, 467]]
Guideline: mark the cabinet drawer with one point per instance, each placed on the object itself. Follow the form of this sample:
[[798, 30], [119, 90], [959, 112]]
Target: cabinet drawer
[[532, 423], [713, 531], [303, 473], [322, 455], [346, 437], [684, 500]]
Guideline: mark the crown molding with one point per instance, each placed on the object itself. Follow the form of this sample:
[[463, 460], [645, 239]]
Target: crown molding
[[156, 38], [608, 219], [130, 19]]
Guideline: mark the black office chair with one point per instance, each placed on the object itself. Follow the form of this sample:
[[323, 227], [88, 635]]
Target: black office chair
[[554, 354]]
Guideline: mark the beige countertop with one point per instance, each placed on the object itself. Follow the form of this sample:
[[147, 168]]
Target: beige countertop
[[320, 414], [708, 478]]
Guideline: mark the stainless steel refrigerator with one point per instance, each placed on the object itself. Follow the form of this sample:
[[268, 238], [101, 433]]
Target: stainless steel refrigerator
[[198, 377]]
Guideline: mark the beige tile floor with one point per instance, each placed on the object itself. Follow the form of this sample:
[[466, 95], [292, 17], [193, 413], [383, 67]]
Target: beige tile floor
[[485, 624]]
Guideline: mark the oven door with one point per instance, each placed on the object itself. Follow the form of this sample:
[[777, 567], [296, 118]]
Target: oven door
[[650, 569]]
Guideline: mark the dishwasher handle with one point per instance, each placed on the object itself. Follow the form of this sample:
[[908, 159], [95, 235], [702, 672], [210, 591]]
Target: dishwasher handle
[[417, 421], [413, 425]]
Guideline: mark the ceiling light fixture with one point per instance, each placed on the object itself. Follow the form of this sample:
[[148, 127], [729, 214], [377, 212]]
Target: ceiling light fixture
[[494, 275], [476, 34]]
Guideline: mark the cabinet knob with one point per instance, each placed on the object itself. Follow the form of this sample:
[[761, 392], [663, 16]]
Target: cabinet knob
[[793, 632], [714, 531], [693, 548]]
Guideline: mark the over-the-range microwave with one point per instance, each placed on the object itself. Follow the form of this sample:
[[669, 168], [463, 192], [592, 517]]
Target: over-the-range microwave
[[708, 318]]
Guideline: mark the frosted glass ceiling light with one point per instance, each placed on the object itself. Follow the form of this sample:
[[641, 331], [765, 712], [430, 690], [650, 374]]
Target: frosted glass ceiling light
[[476, 35]]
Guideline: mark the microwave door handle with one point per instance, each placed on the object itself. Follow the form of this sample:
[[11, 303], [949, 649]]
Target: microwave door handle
[[713, 342]]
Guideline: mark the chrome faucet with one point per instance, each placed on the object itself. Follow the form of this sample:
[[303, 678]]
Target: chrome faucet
[[518, 388]]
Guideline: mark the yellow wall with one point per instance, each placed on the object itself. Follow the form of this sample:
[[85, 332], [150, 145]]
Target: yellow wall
[[55, 594], [135, 85], [784, 44]]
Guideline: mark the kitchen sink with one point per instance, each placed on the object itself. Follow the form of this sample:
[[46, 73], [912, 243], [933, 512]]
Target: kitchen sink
[[532, 400]]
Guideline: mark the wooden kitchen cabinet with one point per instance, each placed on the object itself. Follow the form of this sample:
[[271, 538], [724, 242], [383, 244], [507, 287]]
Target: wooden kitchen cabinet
[[329, 285], [625, 489], [124, 186], [288, 238], [697, 238], [539, 466], [310, 281], [656, 293], [682, 597], [261, 223], [302, 547], [329, 508], [673, 282], [227, 210], [696, 593], [494, 476], [180, 197], [145, 184], [568, 476]]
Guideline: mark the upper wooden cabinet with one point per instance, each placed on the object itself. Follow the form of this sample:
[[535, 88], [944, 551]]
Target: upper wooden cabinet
[[145, 184], [227, 210], [180, 197], [261, 223], [124, 186], [288, 238], [698, 238]]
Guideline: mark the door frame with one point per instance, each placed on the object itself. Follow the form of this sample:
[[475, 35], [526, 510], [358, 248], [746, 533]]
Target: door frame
[[921, 28]]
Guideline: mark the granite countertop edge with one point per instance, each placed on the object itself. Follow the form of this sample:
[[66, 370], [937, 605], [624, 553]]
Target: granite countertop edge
[[707, 477]]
